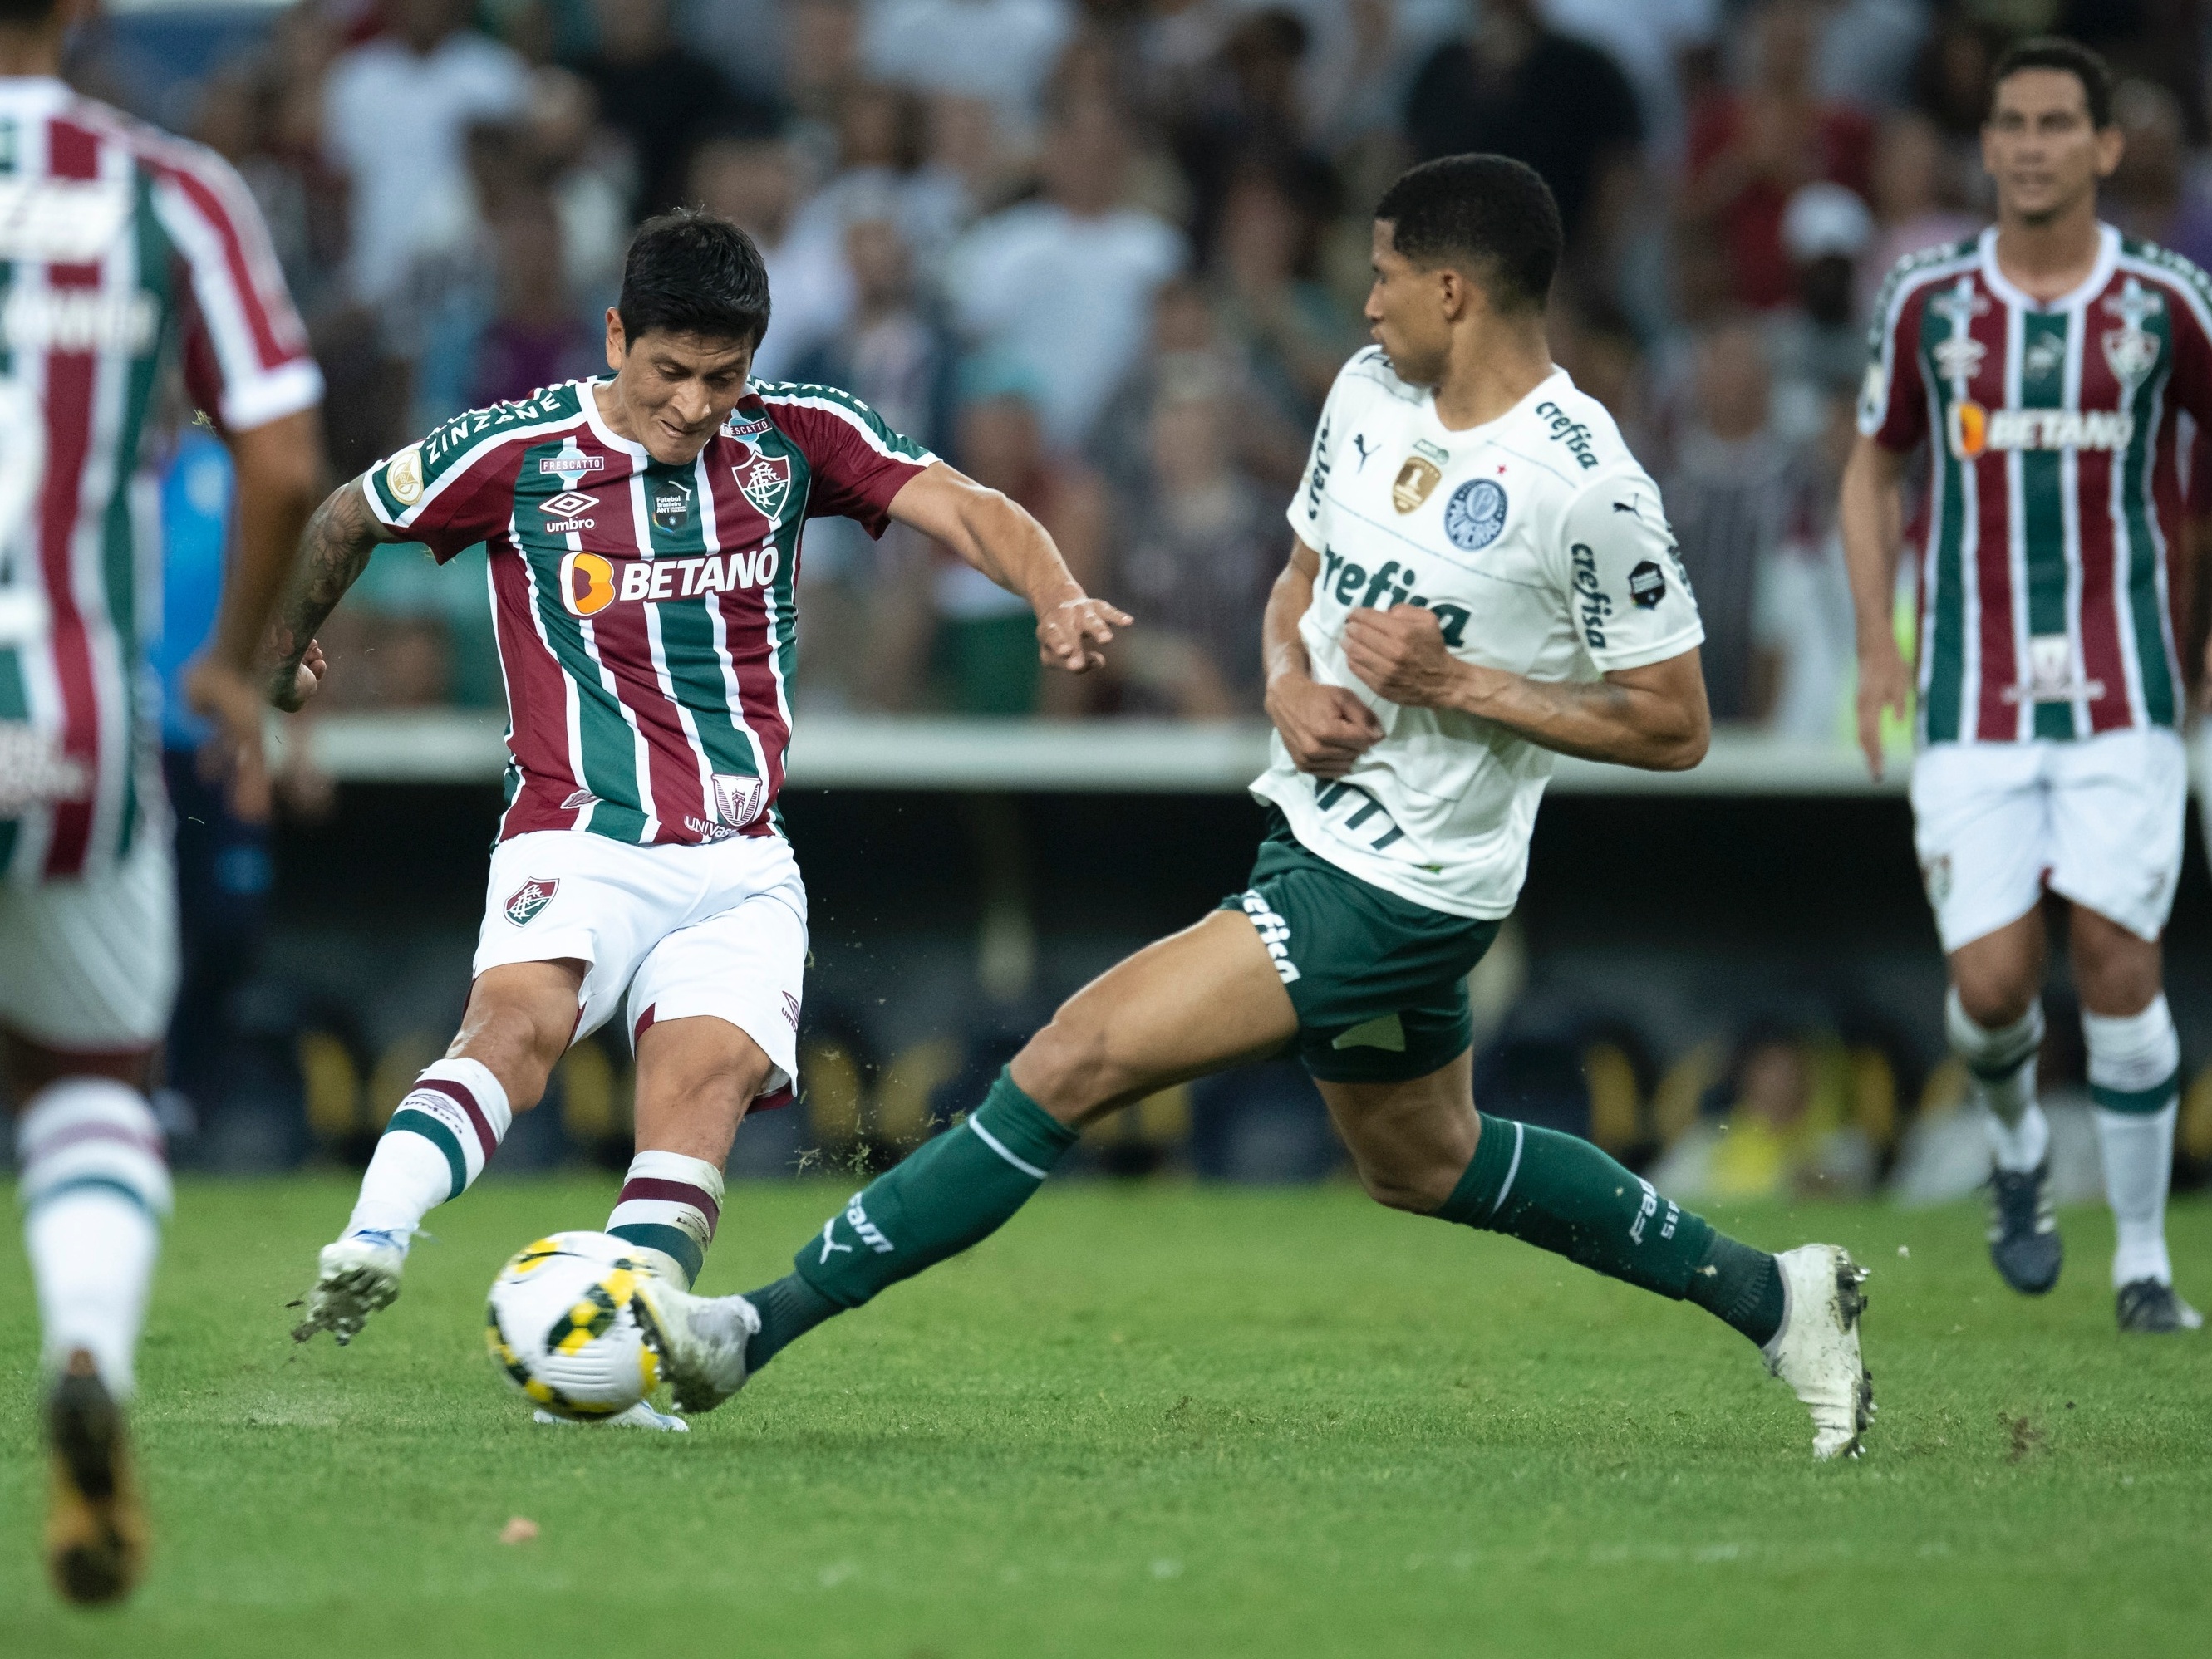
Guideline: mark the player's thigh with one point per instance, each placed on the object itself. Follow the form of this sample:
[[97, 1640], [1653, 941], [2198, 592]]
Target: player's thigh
[[1410, 1141], [2119, 805], [88, 970], [734, 979], [567, 895], [1195, 1002], [1981, 827]]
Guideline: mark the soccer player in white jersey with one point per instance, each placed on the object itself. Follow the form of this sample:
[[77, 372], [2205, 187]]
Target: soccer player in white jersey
[[121, 251], [2043, 364], [644, 531], [1481, 576]]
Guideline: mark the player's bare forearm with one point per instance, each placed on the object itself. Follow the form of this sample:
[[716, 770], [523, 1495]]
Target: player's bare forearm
[[1871, 514], [280, 467], [1654, 717], [333, 552], [1325, 727], [997, 536]]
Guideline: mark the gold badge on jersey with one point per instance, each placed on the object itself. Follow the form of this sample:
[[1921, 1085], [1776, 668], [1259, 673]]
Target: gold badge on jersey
[[1415, 479], [404, 477]]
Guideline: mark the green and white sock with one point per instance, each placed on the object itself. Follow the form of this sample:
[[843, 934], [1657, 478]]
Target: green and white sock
[[2135, 1077], [436, 1145], [1562, 1194], [951, 1193]]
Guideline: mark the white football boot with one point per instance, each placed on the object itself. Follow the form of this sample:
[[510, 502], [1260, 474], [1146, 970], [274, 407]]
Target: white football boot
[[701, 1341], [1816, 1351], [640, 1416], [354, 1277]]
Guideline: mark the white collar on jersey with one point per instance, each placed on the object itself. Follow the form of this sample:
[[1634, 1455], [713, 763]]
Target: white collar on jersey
[[40, 91], [2108, 254]]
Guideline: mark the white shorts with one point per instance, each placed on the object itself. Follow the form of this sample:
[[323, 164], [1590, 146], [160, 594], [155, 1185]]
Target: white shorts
[[2098, 821], [718, 929], [90, 967]]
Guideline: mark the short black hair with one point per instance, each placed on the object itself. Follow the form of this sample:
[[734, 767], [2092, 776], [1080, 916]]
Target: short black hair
[[2052, 51], [693, 272], [1490, 211]]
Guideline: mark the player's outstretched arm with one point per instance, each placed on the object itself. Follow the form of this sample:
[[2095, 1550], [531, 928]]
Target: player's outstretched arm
[[1653, 717], [334, 553], [1000, 538], [1325, 727], [1872, 517]]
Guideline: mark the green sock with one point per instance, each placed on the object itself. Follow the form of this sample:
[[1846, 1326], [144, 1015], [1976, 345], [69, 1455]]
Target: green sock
[[953, 1192], [1562, 1194]]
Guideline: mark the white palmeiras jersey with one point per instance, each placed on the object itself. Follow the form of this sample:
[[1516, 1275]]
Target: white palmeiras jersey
[[1541, 545]]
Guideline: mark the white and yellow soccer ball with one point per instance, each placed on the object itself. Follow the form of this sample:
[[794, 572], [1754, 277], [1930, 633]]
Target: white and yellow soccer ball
[[563, 1326]]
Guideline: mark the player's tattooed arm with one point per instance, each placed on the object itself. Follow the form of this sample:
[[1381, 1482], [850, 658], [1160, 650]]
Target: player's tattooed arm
[[333, 552], [1325, 727], [999, 536], [1654, 717]]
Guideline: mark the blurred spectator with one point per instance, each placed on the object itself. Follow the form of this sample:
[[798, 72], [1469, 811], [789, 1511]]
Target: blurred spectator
[[1268, 298], [1245, 112], [1805, 652], [1599, 350], [1917, 200], [1752, 151], [880, 134], [1816, 348], [985, 642], [537, 336], [1196, 550], [396, 109], [1002, 50], [590, 179], [2152, 196], [755, 182], [1647, 40], [749, 41], [1951, 79], [1062, 283], [1725, 498], [663, 97], [1782, 1129], [1867, 48], [1517, 87]]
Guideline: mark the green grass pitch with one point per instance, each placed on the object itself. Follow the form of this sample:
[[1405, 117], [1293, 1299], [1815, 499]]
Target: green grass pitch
[[1151, 1421]]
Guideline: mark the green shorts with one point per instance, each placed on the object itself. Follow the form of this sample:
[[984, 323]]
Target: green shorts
[[1379, 982]]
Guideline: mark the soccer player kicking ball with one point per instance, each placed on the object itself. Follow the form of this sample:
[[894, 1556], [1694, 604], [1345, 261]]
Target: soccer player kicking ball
[[2043, 362], [644, 531], [117, 242], [1482, 577]]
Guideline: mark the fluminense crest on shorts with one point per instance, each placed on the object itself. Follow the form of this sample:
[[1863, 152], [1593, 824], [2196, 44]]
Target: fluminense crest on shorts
[[766, 481], [529, 898]]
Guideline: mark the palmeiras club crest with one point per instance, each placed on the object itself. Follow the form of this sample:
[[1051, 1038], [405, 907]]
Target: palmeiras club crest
[[529, 898], [766, 481]]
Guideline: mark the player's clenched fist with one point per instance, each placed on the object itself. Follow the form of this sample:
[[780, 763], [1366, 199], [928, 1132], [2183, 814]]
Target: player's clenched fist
[[1400, 653], [1067, 632], [1325, 727]]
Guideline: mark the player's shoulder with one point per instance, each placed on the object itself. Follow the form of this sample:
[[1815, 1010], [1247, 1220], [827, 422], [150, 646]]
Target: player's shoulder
[[475, 433], [812, 413], [155, 149], [1570, 439], [1368, 378], [2146, 261], [1921, 267]]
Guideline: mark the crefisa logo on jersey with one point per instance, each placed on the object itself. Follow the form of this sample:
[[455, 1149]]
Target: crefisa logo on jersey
[[1476, 514], [529, 899]]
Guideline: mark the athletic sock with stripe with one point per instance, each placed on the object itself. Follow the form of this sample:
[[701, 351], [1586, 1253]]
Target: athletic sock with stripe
[[1562, 1194], [94, 1186], [951, 1193], [435, 1147], [668, 1209], [2135, 1077]]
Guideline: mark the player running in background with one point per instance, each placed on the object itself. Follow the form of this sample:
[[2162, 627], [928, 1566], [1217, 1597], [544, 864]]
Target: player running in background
[[1482, 576], [2043, 364], [645, 537], [116, 244]]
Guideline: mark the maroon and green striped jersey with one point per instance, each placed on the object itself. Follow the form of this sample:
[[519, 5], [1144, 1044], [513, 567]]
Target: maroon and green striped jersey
[[2056, 490], [644, 611], [119, 245]]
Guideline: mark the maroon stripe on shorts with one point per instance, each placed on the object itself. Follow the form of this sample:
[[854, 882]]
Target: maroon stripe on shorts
[[673, 1192], [459, 1095]]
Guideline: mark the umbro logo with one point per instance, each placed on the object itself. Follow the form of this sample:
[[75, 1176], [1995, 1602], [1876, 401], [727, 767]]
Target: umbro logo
[[564, 513]]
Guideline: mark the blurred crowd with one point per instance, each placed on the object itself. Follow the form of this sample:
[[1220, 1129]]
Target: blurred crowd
[[1107, 255]]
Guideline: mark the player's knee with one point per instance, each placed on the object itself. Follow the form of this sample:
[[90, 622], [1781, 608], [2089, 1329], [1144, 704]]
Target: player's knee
[[1994, 1001], [1411, 1191], [514, 1047], [1069, 1068]]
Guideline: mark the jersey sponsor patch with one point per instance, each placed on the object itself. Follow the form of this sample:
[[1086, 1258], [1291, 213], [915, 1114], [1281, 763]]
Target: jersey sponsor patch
[[1476, 514], [527, 901], [1647, 584], [1975, 430], [1566, 429], [564, 512], [1415, 480], [737, 798], [672, 503], [404, 477]]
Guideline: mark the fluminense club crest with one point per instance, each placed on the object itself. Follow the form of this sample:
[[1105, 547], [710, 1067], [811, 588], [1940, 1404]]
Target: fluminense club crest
[[738, 799], [529, 898], [766, 482], [2131, 350]]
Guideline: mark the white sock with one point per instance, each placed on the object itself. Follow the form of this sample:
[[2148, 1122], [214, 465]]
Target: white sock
[[94, 1184], [2135, 1075], [668, 1208], [435, 1147], [2002, 1065]]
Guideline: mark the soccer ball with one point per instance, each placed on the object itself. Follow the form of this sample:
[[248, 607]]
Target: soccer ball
[[563, 1325]]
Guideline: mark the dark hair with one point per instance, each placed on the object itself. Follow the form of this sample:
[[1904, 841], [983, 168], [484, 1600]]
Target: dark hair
[[26, 14], [1488, 211], [693, 272], [2049, 51]]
